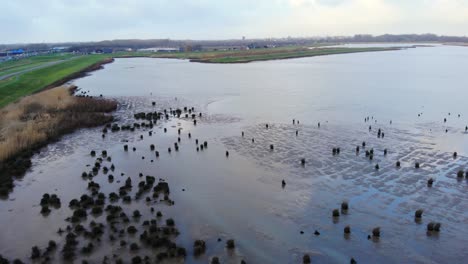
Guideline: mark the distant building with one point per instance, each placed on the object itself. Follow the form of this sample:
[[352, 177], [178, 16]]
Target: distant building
[[59, 49], [16, 52], [159, 49], [103, 51], [190, 48]]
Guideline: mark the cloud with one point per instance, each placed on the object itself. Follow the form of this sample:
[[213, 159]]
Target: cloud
[[83, 20]]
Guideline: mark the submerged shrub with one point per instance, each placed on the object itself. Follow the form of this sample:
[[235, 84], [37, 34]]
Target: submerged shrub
[[347, 229], [170, 222], [134, 247], [430, 226], [136, 214], [306, 259], [460, 174], [416, 165], [35, 252], [344, 206], [418, 213], [230, 244], [215, 260], [45, 210], [199, 247], [131, 230], [376, 232], [430, 182], [336, 213]]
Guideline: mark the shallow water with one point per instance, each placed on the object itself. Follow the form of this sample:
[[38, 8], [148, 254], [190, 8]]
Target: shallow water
[[241, 197]]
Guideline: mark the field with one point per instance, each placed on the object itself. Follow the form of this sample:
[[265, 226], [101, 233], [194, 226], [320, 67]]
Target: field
[[244, 56], [15, 66], [13, 88]]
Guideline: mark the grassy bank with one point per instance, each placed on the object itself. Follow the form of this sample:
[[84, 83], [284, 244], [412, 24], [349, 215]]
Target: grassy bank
[[38, 119], [18, 86], [25, 63], [244, 56]]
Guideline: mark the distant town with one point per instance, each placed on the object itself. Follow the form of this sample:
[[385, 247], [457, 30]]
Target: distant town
[[18, 51]]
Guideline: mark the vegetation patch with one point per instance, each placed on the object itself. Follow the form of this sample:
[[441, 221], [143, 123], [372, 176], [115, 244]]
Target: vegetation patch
[[36, 120]]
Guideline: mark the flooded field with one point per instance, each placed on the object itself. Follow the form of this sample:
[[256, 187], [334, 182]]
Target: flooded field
[[275, 190]]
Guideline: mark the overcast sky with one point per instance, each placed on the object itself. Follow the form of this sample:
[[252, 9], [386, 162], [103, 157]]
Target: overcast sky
[[90, 20]]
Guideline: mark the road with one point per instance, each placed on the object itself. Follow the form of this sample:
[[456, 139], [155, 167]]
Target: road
[[44, 65]]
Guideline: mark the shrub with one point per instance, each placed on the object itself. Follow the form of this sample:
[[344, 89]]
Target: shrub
[[181, 252], [136, 214], [336, 213], [215, 260], [170, 222], [136, 260], [131, 230], [97, 209], [418, 213], [430, 182], [416, 165], [134, 247], [45, 210], [376, 232], [230, 244], [199, 247], [347, 229], [460, 174], [306, 259], [35, 252], [430, 226], [344, 206]]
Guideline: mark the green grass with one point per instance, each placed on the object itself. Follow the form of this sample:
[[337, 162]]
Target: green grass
[[18, 86], [25, 63], [243, 56], [291, 54]]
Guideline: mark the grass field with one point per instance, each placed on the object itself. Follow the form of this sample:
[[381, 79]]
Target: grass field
[[18, 86], [25, 83], [244, 56], [23, 64]]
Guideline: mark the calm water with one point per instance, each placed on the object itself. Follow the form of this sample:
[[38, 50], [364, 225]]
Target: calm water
[[240, 197]]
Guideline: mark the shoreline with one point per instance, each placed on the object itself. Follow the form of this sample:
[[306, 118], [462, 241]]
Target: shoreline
[[67, 113], [287, 57], [79, 74], [236, 57]]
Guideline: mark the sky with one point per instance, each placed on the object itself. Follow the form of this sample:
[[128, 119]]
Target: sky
[[37, 21]]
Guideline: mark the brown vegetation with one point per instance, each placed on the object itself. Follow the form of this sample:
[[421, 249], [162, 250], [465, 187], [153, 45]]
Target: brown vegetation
[[38, 119]]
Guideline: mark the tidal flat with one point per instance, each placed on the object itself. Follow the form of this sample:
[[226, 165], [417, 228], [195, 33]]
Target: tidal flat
[[275, 193]]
